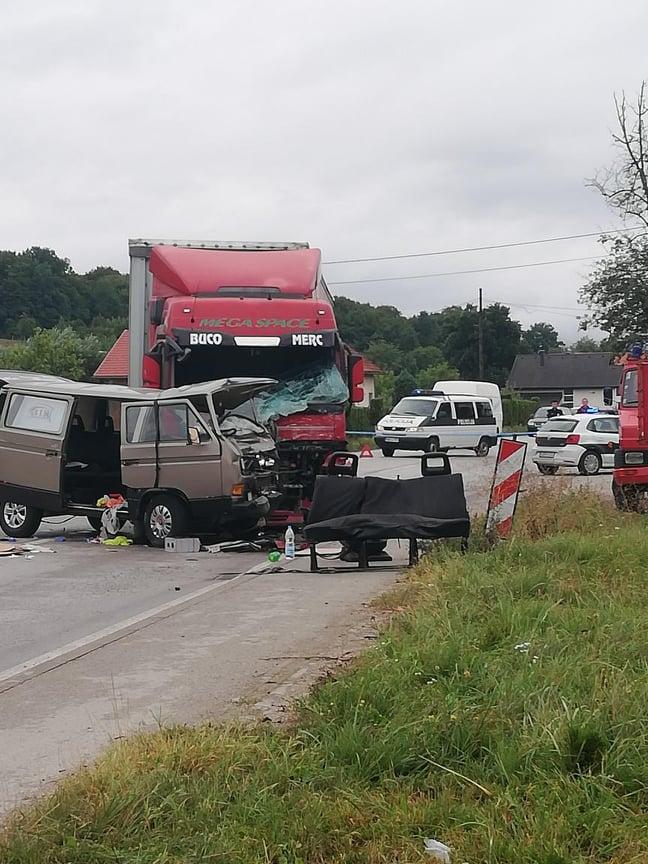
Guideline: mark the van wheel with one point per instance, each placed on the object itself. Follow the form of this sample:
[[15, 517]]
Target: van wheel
[[387, 451], [164, 516], [589, 464], [483, 448], [19, 520]]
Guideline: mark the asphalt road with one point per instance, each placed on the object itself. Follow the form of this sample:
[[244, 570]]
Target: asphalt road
[[96, 643], [72, 589]]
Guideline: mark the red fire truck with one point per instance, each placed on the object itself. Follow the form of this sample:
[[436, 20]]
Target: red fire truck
[[630, 483], [202, 311]]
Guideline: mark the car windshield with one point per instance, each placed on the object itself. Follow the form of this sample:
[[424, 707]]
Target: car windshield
[[416, 407], [559, 425]]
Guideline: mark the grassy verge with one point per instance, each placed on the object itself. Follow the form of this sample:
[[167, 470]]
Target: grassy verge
[[504, 713]]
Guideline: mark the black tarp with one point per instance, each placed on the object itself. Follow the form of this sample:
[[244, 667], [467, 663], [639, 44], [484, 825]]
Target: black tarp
[[374, 508]]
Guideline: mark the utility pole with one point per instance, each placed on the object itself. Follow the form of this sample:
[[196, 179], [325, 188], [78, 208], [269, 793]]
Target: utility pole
[[481, 336]]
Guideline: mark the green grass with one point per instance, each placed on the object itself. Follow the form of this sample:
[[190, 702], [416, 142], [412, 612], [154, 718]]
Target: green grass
[[503, 712]]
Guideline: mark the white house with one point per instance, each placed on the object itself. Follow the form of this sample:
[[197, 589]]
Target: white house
[[567, 377]]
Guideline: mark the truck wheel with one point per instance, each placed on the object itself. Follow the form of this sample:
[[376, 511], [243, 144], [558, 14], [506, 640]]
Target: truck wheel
[[387, 451], [19, 520], [548, 470], [589, 464], [483, 448], [164, 516], [626, 498]]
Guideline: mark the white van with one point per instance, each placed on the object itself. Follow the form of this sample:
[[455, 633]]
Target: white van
[[476, 388], [431, 420]]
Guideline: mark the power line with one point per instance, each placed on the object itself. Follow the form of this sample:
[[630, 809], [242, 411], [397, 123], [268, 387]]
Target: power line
[[463, 272], [483, 248]]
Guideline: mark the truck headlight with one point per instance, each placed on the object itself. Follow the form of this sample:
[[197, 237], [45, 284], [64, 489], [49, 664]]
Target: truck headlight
[[635, 458]]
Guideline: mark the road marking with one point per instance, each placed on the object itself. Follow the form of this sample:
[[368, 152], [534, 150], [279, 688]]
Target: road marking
[[10, 678]]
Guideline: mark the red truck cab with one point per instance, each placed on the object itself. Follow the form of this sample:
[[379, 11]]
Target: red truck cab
[[630, 483], [201, 311]]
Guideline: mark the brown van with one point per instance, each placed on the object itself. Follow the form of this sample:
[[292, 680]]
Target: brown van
[[64, 445]]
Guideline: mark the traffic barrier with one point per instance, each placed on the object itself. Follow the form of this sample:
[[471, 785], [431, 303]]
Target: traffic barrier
[[366, 451], [506, 487]]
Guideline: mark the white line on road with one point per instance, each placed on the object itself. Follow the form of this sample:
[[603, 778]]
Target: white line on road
[[10, 678]]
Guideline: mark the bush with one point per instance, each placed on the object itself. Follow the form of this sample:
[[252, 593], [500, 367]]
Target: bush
[[517, 411]]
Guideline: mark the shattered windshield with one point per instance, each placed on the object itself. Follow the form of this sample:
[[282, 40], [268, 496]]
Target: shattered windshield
[[317, 384]]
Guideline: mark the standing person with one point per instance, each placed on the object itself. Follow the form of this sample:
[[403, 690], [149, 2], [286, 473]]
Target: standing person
[[584, 407], [554, 411]]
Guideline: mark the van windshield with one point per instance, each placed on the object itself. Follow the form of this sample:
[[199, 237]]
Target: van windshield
[[416, 407]]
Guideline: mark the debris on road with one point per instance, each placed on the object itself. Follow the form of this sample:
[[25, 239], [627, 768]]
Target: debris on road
[[438, 850]]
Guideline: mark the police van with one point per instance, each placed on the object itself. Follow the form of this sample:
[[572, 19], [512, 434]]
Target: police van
[[431, 420]]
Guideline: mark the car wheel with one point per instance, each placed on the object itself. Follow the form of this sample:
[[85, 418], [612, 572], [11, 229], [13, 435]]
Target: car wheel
[[19, 520], [548, 470], [590, 463], [387, 451], [483, 448], [164, 516]]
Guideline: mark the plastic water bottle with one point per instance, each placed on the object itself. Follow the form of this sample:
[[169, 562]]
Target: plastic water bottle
[[289, 543]]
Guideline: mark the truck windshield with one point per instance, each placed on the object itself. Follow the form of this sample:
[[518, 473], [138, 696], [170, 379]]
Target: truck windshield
[[306, 389]]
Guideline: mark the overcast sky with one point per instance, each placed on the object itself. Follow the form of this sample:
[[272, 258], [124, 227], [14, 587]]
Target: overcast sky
[[364, 127]]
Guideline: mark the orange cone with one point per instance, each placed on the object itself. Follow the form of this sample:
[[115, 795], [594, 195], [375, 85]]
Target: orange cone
[[366, 451]]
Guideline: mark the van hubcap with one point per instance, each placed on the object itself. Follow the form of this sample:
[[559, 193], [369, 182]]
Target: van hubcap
[[161, 521], [14, 514]]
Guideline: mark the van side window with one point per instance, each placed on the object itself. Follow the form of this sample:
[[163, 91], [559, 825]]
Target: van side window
[[444, 412], [174, 424], [484, 409], [36, 414], [465, 411]]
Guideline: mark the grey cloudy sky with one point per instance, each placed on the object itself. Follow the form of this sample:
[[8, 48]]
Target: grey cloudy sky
[[365, 127]]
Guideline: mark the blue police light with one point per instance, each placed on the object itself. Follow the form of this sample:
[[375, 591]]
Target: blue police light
[[416, 392], [636, 351]]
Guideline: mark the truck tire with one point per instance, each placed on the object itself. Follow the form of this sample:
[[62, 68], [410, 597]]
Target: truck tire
[[589, 463], [627, 498], [19, 520], [164, 516], [483, 448], [387, 451]]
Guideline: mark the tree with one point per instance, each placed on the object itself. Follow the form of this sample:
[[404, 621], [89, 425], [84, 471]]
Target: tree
[[443, 371], [624, 185], [585, 345], [404, 383], [617, 290], [501, 340], [540, 335], [386, 355], [55, 352]]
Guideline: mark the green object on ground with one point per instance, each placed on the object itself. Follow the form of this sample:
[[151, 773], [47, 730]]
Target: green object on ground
[[274, 556]]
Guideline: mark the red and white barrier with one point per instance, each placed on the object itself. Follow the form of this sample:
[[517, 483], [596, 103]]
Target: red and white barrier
[[506, 487]]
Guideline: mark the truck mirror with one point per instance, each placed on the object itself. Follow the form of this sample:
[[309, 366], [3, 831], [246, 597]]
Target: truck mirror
[[194, 435], [356, 376]]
